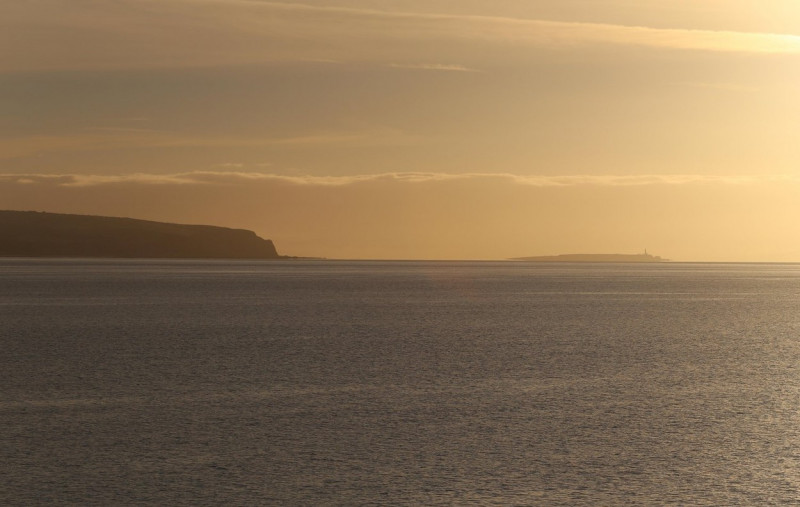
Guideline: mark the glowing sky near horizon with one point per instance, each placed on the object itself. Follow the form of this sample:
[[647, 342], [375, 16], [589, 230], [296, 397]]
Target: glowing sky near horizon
[[415, 129]]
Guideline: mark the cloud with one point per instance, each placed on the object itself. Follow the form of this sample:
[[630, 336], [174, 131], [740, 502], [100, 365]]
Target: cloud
[[545, 32], [433, 66], [639, 180], [84, 34], [243, 178], [729, 87], [101, 138]]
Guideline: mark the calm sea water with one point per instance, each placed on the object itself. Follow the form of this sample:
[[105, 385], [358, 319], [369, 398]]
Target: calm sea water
[[398, 383]]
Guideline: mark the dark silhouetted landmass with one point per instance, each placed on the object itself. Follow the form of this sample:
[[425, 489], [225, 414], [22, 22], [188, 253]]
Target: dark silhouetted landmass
[[36, 234], [645, 257]]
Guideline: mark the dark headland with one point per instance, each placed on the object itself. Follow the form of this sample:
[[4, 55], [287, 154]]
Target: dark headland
[[38, 234], [644, 257]]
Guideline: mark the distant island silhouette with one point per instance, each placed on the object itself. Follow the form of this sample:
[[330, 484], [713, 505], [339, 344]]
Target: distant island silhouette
[[39, 234], [643, 257]]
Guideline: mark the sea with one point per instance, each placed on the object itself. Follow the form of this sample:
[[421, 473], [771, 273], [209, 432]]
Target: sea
[[315, 382]]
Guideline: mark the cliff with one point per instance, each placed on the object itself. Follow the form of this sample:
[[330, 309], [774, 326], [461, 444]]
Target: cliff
[[36, 234], [645, 257]]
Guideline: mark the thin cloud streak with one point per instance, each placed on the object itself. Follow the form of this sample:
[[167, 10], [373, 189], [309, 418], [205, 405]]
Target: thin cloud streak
[[558, 32], [433, 66], [120, 138], [49, 34], [238, 178], [721, 86]]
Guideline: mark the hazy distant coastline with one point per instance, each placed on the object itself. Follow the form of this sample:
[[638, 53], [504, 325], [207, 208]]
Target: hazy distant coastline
[[39, 234], [644, 257]]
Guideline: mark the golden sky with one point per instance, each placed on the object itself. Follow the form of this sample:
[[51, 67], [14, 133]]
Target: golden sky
[[464, 129]]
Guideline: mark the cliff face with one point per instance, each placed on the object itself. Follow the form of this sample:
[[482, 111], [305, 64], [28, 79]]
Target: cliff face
[[35, 234]]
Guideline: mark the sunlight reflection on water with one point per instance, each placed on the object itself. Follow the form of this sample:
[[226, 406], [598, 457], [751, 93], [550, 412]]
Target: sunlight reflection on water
[[399, 383]]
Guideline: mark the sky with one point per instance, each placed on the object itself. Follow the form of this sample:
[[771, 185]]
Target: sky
[[417, 129]]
